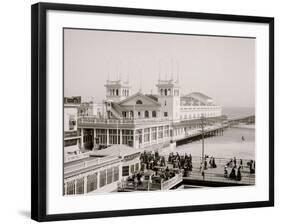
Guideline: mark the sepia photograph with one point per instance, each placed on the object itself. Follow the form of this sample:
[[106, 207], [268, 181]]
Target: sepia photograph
[[148, 111]]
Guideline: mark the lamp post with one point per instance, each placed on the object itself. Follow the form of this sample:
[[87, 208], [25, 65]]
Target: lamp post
[[117, 132], [203, 123]]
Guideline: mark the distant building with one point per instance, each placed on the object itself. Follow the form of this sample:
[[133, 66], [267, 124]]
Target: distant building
[[72, 138], [72, 100]]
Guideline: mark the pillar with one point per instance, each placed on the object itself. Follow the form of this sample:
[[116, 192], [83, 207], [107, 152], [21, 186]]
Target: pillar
[[142, 133], [157, 135], [85, 184], [98, 179], [65, 188], [134, 139], [94, 136], [107, 137], [150, 135], [82, 138], [121, 140], [75, 186]]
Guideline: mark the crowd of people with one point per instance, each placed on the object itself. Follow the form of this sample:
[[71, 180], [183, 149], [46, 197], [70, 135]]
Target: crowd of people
[[236, 167], [165, 168], [150, 160]]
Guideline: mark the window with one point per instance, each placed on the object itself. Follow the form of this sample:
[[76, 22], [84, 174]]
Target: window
[[127, 137], [102, 178], [125, 171], [70, 187], [92, 182], [161, 91], [80, 186], [160, 132], [101, 136], [146, 135], [153, 133], [116, 173], [138, 135], [132, 168], [146, 114], [70, 142], [123, 113], [109, 176], [153, 113], [139, 102], [165, 114], [114, 137], [137, 166], [72, 122], [166, 131], [117, 92], [139, 114], [165, 92]]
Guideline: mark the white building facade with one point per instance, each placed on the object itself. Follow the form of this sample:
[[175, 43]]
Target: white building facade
[[144, 120]]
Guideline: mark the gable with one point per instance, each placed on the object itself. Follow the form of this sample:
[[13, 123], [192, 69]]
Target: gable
[[138, 100]]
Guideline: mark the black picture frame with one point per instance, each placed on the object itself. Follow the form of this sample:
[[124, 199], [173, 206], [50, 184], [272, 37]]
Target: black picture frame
[[39, 108]]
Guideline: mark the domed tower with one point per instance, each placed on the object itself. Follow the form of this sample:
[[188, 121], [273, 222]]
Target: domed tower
[[169, 98], [117, 90]]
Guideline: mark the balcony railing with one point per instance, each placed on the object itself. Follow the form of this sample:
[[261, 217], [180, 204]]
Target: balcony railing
[[93, 120], [68, 134]]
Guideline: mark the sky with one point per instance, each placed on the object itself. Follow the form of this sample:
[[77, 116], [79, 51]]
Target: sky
[[220, 67]]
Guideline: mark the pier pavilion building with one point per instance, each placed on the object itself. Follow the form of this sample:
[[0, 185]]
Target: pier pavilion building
[[144, 120]]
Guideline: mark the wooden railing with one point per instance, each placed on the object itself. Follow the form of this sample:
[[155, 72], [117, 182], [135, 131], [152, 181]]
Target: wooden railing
[[89, 163], [150, 186], [168, 184]]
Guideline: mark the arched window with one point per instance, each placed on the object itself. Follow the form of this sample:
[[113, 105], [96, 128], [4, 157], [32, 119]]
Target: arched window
[[117, 92], [153, 113], [165, 92], [113, 92], [146, 114], [131, 113], [139, 102]]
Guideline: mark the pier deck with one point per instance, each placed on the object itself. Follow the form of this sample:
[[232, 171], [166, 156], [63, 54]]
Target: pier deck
[[215, 176]]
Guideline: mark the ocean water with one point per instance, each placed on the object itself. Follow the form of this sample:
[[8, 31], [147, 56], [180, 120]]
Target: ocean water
[[227, 146], [236, 112]]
